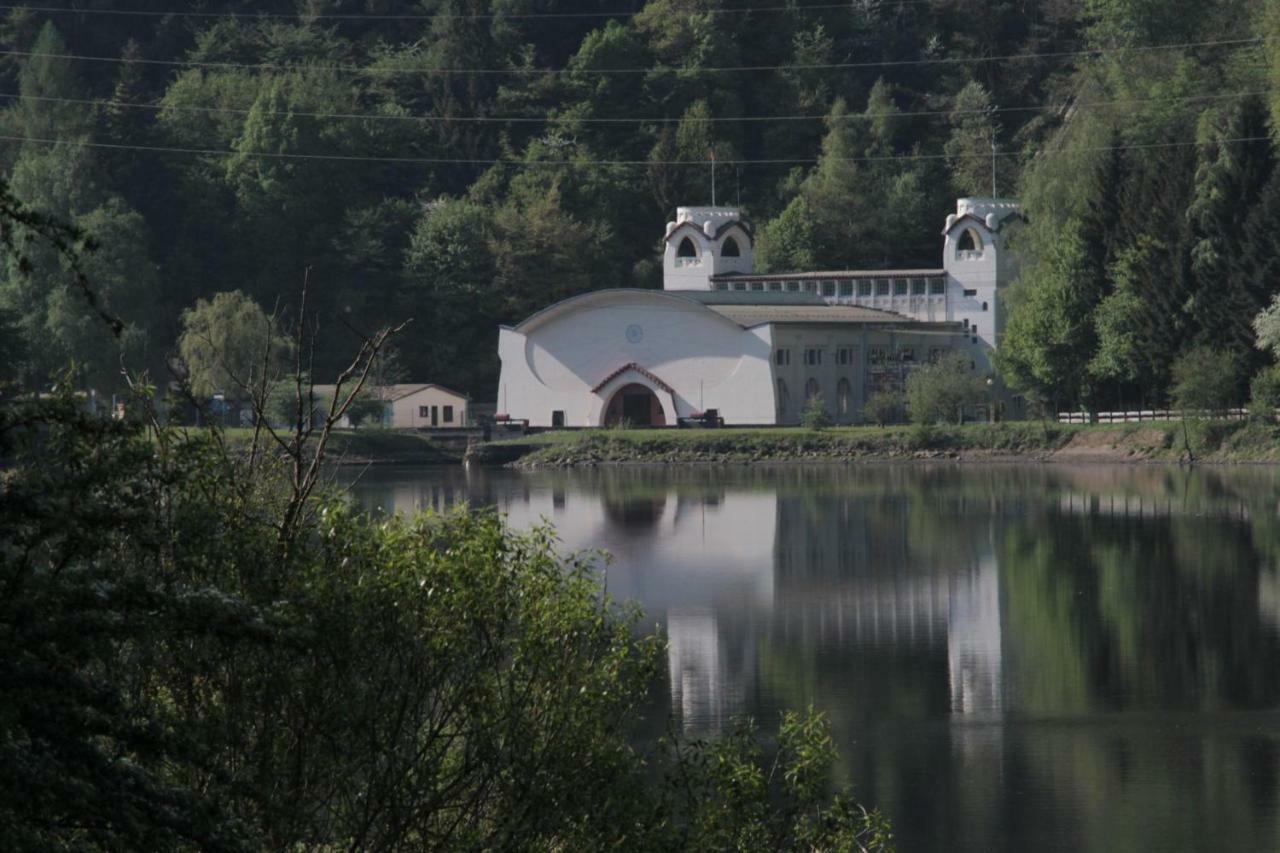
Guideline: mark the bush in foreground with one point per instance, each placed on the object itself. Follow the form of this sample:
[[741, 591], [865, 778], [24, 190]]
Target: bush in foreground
[[195, 659]]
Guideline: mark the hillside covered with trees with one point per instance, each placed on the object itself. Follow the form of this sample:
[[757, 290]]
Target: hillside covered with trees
[[464, 162]]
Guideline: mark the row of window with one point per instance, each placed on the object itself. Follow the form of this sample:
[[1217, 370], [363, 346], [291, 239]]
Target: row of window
[[846, 287], [844, 396], [425, 412], [846, 356]]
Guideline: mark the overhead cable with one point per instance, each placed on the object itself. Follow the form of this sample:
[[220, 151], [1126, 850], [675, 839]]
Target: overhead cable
[[534, 72], [510, 161], [853, 116]]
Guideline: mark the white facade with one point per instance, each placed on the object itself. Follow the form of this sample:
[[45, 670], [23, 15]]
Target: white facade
[[573, 357], [753, 346]]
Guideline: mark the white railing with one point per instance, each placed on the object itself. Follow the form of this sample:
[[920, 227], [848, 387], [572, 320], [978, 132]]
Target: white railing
[[1145, 415], [688, 262], [968, 256]]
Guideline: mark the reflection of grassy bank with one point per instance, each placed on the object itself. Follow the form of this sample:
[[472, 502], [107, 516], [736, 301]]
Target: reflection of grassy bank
[[1211, 441], [377, 446]]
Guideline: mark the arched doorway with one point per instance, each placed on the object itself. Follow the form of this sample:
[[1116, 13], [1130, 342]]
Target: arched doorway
[[634, 405]]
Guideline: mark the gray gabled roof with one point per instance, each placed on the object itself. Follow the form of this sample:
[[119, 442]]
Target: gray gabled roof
[[806, 276], [758, 315], [751, 297]]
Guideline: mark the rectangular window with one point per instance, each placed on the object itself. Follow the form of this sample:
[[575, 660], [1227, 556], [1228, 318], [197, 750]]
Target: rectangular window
[[969, 292], [739, 285], [899, 287], [811, 287], [448, 414], [882, 287], [782, 357], [864, 287], [793, 286], [846, 287], [844, 356], [935, 354], [775, 286], [907, 355], [720, 285], [757, 285], [813, 357], [875, 355], [828, 288], [917, 287], [937, 287], [557, 418], [424, 411]]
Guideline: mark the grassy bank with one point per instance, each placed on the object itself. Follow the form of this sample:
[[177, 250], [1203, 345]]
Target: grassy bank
[[1210, 441], [374, 446]]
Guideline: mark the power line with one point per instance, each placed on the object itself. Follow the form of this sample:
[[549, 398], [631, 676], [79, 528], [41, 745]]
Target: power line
[[820, 66], [442, 161], [627, 120], [860, 6]]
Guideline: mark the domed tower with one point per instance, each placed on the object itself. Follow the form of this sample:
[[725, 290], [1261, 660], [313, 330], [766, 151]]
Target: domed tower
[[977, 264], [703, 242]]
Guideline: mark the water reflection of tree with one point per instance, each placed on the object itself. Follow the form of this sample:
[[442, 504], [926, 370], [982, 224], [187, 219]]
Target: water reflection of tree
[[1141, 596], [1109, 616]]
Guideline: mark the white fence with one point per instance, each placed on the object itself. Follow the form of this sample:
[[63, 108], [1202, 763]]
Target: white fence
[[1145, 415]]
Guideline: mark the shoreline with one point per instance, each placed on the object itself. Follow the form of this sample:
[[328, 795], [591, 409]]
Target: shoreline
[[1212, 442], [373, 446]]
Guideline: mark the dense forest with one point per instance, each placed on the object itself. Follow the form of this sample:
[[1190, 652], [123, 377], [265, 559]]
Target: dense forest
[[463, 162]]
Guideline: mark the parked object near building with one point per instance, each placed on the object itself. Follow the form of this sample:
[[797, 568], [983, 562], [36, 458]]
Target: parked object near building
[[755, 347], [412, 405]]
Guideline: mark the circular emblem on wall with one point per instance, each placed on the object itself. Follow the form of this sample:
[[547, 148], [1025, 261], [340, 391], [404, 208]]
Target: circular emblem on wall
[[635, 333]]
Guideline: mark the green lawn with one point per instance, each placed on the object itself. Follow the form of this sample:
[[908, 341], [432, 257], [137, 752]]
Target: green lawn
[[783, 432], [368, 445]]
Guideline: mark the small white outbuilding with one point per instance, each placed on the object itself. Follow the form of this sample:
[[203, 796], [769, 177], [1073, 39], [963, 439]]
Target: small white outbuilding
[[416, 405]]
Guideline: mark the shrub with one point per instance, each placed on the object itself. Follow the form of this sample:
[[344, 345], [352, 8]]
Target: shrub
[[882, 407], [366, 409], [941, 392], [1204, 381], [1264, 393], [815, 414]]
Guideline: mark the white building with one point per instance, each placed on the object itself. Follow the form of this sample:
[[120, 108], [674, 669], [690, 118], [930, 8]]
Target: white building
[[414, 405], [754, 347]]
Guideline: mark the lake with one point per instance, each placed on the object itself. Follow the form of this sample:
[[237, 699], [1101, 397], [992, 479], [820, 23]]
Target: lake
[[1013, 657]]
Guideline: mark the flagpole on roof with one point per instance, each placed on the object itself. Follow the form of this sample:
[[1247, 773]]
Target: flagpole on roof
[[713, 177]]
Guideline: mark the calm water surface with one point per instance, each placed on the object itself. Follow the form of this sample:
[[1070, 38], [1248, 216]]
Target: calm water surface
[[1014, 658]]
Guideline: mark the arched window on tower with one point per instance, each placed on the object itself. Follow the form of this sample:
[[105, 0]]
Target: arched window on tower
[[686, 249], [811, 390], [970, 243], [730, 249]]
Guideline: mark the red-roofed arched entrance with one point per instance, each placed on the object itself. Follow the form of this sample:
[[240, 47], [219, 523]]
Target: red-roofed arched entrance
[[634, 405]]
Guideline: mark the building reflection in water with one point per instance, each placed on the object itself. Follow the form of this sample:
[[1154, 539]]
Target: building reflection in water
[[1011, 657], [974, 659]]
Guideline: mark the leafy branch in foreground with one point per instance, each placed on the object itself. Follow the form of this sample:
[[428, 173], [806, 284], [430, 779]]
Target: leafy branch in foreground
[[174, 679]]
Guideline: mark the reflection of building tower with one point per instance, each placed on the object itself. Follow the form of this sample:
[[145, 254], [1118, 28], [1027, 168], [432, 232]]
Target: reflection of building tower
[[707, 679], [975, 662]]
